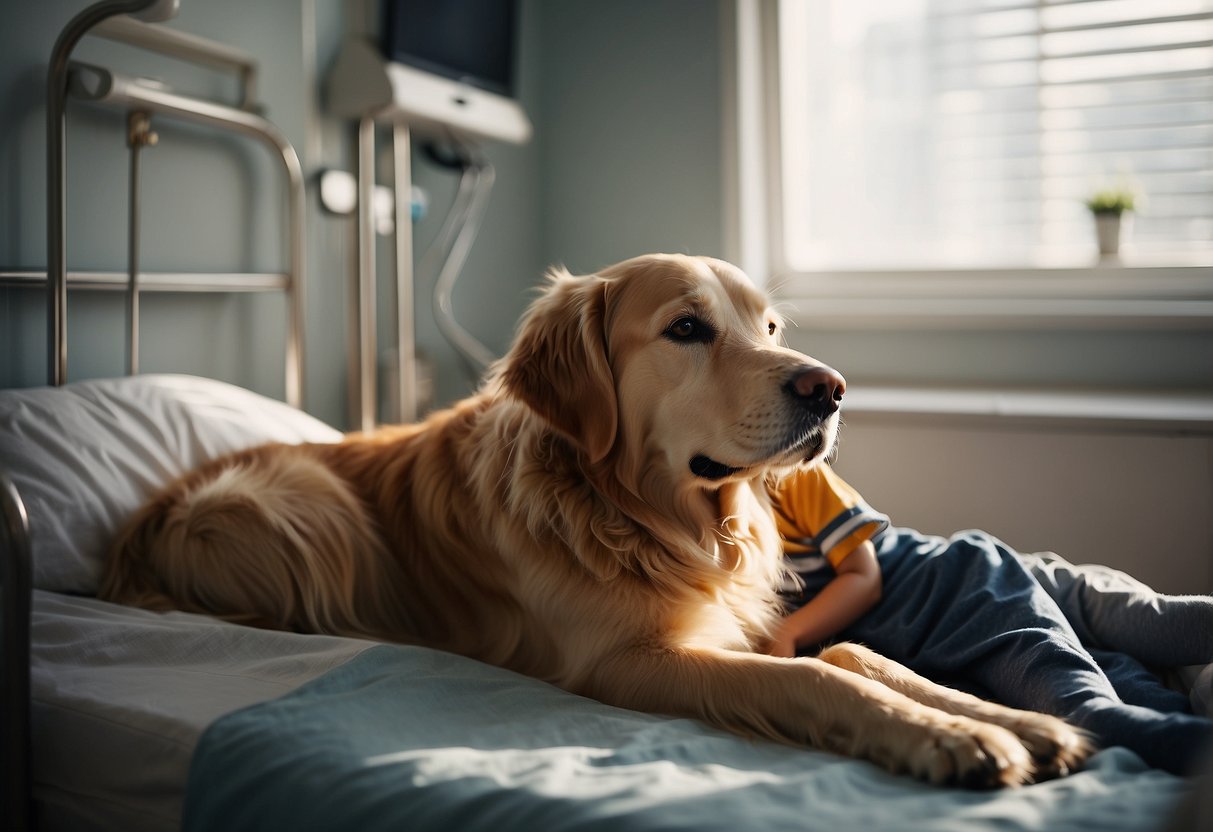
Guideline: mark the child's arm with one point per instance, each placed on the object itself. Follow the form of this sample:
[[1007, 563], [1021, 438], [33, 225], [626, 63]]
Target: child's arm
[[855, 590]]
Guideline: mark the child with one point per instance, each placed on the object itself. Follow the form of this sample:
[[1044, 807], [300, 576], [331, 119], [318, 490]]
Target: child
[[1030, 631]]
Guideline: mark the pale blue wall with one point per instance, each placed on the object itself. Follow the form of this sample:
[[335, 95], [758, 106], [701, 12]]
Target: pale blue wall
[[626, 159], [626, 101], [631, 116], [212, 203]]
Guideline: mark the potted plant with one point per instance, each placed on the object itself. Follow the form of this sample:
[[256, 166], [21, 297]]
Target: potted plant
[[1109, 207]]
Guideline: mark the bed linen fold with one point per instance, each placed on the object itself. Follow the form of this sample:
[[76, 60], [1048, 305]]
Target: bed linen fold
[[409, 738]]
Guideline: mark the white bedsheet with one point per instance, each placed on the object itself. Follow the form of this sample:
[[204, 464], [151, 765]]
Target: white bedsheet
[[121, 695]]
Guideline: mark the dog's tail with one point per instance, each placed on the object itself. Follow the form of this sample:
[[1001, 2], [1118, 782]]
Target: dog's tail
[[270, 539]]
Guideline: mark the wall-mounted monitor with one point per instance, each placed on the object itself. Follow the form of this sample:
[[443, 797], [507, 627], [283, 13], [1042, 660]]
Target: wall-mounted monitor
[[445, 67], [471, 41]]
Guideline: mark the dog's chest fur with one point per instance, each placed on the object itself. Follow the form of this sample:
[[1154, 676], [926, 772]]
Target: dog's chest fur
[[572, 562]]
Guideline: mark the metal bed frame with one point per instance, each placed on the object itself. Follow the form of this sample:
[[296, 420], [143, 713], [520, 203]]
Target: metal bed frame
[[16, 580], [141, 99], [102, 86]]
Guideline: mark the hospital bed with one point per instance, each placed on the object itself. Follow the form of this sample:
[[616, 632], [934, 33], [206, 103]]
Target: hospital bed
[[123, 719]]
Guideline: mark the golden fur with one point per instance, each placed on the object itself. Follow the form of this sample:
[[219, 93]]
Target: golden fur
[[551, 524]]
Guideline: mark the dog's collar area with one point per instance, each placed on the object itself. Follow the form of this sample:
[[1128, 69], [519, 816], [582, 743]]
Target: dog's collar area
[[710, 469]]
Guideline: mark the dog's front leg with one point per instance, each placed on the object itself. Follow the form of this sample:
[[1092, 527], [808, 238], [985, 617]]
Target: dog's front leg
[[809, 702], [1057, 748]]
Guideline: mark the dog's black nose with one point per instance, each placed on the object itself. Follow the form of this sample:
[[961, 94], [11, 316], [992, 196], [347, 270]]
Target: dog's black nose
[[818, 388]]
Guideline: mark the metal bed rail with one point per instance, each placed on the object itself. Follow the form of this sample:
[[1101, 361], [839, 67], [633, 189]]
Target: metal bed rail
[[187, 47], [142, 98], [16, 581], [156, 281]]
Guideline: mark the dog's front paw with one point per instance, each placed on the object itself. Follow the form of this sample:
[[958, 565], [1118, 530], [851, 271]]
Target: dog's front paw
[[1057, 748], [971, 754]]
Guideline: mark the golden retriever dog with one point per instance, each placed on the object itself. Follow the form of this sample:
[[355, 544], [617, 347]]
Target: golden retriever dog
[[596, 516]]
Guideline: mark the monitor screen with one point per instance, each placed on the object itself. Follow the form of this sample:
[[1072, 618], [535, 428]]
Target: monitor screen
[[471, 41]]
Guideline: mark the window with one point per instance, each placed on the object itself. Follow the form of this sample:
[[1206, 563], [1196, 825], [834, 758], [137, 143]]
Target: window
[[967, 134]]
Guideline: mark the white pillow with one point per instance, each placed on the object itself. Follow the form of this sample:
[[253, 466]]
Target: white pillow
[[86, 455]]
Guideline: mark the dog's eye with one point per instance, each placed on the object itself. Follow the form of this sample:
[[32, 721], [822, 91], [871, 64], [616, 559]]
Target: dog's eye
[[683, 328], [688, 328], [771, 328]]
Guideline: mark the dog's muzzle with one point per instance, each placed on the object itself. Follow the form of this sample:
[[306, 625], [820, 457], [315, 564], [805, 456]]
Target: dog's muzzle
[[816, 392]]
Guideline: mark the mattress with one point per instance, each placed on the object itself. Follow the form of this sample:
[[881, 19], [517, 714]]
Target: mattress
[[121, 696], [143, 721]]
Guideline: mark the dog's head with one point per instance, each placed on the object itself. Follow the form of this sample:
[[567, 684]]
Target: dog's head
[[675, 362]]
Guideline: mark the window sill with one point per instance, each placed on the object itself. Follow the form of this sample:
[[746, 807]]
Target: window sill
[[1106, 297], [1172, 413]]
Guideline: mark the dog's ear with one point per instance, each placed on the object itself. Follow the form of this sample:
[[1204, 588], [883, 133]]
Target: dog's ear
[[558, 364]]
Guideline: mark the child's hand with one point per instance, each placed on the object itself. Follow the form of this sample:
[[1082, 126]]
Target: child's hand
[[783, 644], [854, 590]]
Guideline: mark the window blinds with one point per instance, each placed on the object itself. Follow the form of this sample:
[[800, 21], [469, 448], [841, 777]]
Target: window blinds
[[969, 133]]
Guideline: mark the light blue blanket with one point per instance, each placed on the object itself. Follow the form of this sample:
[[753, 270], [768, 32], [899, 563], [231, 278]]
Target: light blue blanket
[[406, 738]]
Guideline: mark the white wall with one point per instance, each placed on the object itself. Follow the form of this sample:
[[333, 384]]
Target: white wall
[[1135, 501]]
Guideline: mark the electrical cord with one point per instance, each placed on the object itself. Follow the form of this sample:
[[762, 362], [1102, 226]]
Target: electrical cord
[[454, 241]]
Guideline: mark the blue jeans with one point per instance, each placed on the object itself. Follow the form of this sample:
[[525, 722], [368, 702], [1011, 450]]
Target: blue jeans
[[969, 612]]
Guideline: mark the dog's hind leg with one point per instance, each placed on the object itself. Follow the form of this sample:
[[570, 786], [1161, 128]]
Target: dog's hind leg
[[270, 538], [1057, 748]]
